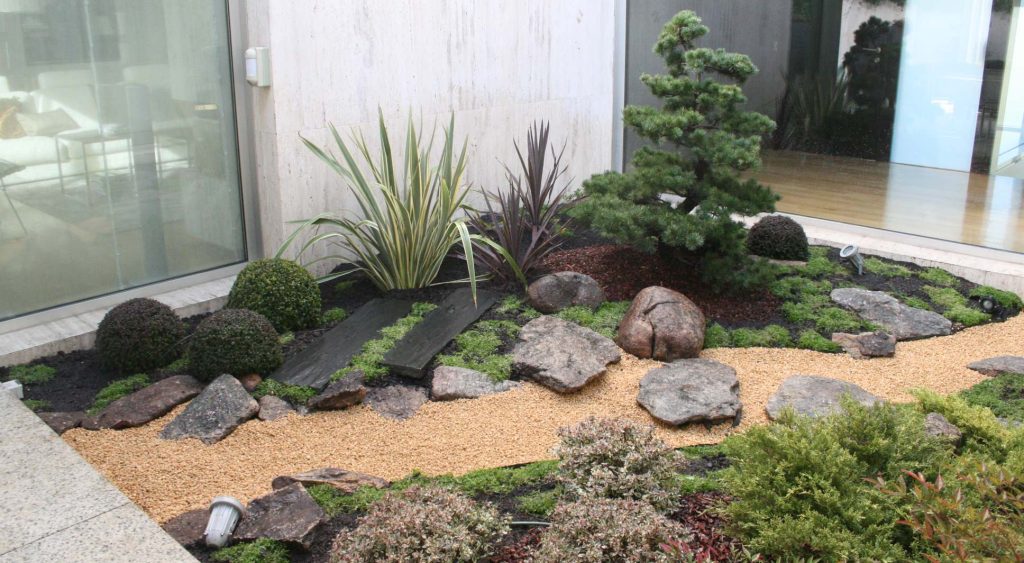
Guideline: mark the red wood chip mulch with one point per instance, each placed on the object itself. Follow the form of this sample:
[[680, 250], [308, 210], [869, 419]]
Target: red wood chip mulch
[[623, 271]]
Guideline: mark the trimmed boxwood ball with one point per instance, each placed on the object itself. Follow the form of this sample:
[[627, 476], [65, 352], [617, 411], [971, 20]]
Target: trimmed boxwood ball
[[778, 237], [139, 335], [280, 290], [233, 341]]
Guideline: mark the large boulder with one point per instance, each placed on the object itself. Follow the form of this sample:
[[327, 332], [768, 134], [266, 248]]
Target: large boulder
[[866, 344], [562, 290], [461, 383], [561, 355], [273, 408], [146, 404], [693, 390], [815, 396], [223, 406], [662, 324], [345, 481], [902, 321], [61, 422], [288, 514], [341, 394], [396, 401], [998, 365]]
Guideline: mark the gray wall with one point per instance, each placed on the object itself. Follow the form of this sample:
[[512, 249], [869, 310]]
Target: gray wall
[[760, 29]]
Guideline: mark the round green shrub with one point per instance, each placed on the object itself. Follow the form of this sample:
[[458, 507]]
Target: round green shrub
[[280, 290], [233, 341], [778, 237], [139, 335]]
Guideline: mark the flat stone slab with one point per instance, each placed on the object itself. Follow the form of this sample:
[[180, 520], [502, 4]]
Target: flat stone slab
[[866, 344], [452, 383], [902, 321], [288, 514], [61, 422], [223, 406], [691, 390], [998, 365], [146, 404], [314, 365], [561, 290], [413, 353], [398, 402], [815, 396], [561, 355], [341, 479]]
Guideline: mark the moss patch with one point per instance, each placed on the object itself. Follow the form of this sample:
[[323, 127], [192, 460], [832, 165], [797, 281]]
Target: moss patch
[[31, 375], [605, 320], [938, 277], [477, 349], [333, 316], [262, 550], [886, 269], [1005, 299], [1003, 394], [36, 405], [117, 389], [812, 340], [370, 358], [294, 394]]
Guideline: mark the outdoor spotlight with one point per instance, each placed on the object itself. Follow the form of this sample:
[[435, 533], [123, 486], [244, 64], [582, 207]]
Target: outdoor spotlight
[[987, 304], [852, 253], [225, 512]]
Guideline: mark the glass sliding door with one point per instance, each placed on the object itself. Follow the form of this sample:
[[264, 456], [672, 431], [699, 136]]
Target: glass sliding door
[[118, 150]]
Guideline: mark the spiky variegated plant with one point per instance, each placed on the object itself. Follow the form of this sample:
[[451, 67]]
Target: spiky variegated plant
[[702, 141], [408, 223]]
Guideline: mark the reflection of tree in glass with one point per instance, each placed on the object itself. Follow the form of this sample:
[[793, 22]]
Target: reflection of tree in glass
[[873, 63]]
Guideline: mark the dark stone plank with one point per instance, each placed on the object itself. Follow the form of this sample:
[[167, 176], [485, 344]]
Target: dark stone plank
[[314, 365], [413, 353]]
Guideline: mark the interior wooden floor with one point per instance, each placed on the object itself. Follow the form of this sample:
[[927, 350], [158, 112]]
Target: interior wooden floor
[[962, 207]]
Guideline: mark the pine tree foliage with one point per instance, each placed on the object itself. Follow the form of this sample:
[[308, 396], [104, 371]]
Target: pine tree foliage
[[702, 143]]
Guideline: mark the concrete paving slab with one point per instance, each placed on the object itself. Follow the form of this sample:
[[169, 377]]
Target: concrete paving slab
[[58, 508]]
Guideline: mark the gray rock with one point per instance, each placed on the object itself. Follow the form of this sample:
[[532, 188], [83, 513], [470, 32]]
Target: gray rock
[[461, 383], [562, 290], [146, 404], [341, 394], [867, 344], [692, 390], [662, 324], [999, 365], [273, 408], [250, 381], [561, 355], [396, 401], [905, 323], [61, 422], [936, 425], [215, 413], [189, 528], [345, 481], [815, 396], [288, 515]]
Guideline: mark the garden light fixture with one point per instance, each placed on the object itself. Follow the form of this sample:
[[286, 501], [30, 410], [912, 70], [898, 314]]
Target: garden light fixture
[[852, 253], [225, 512]]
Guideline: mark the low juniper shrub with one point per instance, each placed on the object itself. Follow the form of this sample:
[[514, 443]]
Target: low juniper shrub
[[617, 458], [139, 335], [422, 524], [233, 341], [280, 290], [779, 237]]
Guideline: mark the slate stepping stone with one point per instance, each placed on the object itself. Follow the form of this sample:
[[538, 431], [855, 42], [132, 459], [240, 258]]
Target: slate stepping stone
[[902, 321], [413, 353], [288, 515], [341, 479], [815, 396], [314, 365], [998, 365], [561, 355], [451, 383], [146, 404], [223, 406], [693, 390], [398, 402]]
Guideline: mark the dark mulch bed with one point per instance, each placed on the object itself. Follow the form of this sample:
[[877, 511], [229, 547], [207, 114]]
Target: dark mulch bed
[[623, 271]]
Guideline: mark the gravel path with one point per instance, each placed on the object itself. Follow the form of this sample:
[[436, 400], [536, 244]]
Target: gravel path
[[168, 478]]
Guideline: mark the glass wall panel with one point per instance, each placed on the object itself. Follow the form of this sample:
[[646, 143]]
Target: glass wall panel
[[118, 152], [905, 115]]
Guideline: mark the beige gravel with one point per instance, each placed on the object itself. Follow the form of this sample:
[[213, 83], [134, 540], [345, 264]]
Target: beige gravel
[[168, 478]]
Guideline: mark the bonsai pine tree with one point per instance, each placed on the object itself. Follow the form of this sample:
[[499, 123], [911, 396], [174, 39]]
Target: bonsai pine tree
[[702, 142]]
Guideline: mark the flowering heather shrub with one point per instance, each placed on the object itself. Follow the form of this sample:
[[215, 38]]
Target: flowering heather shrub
[[422, 524], [617, 458], [597, 530]]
